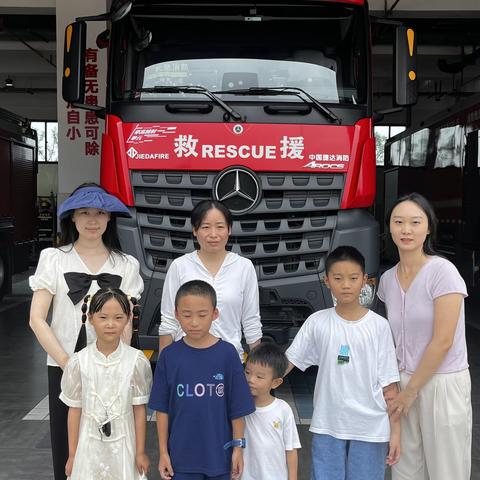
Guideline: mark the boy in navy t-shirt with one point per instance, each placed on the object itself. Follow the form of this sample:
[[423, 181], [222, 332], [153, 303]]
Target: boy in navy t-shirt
[[200, 395]]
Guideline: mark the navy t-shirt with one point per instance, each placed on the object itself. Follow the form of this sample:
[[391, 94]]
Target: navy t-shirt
[[202, 390]]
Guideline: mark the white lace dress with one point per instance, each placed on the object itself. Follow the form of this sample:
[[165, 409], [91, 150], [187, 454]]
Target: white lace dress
[[106, 388]]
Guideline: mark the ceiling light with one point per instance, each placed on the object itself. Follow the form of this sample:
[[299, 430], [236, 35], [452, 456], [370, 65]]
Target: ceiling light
[[8, 82]]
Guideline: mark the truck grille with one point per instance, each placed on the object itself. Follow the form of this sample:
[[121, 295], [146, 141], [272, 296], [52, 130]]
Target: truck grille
[[287, 234]]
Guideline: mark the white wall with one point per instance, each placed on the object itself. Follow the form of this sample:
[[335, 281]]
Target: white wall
[[74, 166]]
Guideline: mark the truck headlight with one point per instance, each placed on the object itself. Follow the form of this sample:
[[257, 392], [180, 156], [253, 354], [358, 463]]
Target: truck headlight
[[367, 294]]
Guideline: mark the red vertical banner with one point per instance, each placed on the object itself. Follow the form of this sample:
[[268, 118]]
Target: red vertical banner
[[92, 147]]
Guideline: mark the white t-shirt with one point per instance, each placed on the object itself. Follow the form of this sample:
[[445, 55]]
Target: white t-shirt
[[269, 432], [236, 286], [67, 317], [348, 401]]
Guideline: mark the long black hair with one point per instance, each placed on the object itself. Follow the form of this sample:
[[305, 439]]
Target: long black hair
[[426, 207], [69, 233]]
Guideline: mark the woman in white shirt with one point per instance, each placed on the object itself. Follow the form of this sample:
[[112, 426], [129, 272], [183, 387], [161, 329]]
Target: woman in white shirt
[[233, 277], [89, 257]]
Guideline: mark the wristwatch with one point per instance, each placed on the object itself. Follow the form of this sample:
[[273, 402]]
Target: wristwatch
[[237, 442]]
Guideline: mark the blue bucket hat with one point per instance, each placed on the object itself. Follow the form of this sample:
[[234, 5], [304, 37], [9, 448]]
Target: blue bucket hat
[[92, 197]]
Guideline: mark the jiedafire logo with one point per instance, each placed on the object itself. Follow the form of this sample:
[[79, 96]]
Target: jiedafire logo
[[132, 153]]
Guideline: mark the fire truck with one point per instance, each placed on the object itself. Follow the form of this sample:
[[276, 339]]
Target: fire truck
[[440, 158], [265, 106], [18, 193]]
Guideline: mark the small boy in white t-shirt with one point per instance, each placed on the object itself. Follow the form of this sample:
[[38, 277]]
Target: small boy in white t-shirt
[[270, 432], [353, 437]]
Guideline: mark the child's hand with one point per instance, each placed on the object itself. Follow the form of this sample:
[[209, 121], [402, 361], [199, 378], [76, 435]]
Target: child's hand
[[69, 465], [390, 393], [395, 442], [143, 462], [393, 450], [237, 463], [165, 467]]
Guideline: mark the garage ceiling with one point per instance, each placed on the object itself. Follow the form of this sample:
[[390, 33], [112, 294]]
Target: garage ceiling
[[28, 53]]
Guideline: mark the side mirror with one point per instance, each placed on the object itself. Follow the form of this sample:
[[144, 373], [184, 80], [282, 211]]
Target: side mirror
[[119, 10], [73, 81], [405, 66]]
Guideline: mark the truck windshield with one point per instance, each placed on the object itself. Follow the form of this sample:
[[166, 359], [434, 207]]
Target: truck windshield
[[322, 51]]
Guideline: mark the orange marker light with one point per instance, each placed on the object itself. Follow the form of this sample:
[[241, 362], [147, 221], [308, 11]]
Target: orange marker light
[[411, 40], [68, 34], [67, 72], [412, 75]]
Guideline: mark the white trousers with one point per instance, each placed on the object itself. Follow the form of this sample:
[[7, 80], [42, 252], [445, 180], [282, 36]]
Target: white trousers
[[437, 432]]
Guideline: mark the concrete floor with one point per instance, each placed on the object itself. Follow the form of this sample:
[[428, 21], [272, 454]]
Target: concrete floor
[[24, 430]]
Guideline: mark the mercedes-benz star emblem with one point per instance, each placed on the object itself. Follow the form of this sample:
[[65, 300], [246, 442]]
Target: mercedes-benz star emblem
[[238, 188]]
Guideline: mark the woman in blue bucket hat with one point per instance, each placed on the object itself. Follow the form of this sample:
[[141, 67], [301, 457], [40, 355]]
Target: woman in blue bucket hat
[[88, 257]]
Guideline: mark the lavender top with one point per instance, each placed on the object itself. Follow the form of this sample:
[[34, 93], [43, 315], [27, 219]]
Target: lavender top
[[411, 313]]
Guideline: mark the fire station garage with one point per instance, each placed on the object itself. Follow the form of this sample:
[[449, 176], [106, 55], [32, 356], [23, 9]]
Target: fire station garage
[[147, 144]]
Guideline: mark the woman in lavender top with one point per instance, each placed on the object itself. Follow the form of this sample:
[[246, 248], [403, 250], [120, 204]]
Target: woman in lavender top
[[424, 298]]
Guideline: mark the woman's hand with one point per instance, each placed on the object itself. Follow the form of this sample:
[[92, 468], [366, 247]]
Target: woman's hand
[[69, 465], [400, 405], [63, 362]]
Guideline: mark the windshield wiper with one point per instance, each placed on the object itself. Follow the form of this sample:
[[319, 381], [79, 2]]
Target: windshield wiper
[[298, 92], [191, 89]]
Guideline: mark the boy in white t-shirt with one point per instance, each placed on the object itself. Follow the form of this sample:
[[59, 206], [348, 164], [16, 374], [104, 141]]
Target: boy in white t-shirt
[[270, 432], [353, 348]]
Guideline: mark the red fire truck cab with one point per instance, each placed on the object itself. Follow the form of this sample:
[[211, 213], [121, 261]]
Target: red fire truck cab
[[266, 106]]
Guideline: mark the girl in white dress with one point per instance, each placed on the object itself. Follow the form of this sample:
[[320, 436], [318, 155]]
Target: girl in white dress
[[106, 385], [88, 257]]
